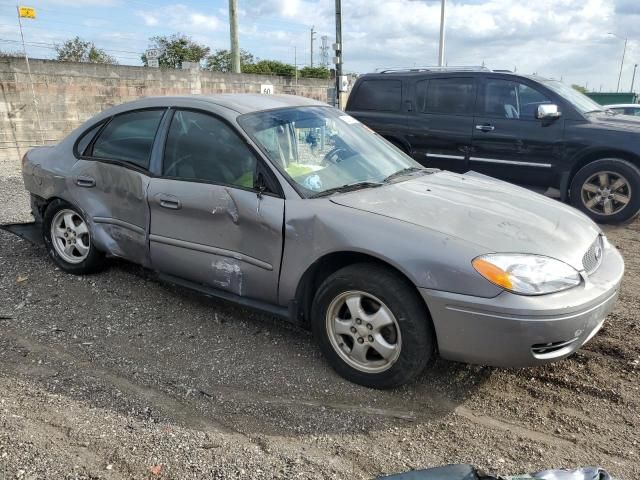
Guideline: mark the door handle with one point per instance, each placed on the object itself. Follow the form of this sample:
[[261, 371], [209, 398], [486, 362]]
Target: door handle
[[86, 182], [169, 201], [485, 128]]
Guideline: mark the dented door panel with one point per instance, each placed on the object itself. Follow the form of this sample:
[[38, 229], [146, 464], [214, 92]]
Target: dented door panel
[[113, 198], [224, 237]]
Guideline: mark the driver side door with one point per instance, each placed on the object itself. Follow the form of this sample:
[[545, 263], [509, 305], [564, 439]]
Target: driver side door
[[209, 224], [509, 142]]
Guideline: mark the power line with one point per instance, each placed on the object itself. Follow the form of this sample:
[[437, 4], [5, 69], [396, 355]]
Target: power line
[[52, 47]]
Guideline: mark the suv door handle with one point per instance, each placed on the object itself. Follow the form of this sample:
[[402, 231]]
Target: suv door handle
[[169, 201], [84, 181], [485, 128]]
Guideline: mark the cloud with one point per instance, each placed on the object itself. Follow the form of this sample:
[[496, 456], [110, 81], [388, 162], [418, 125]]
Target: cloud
[[556, 38], [180, 17], [85, 3]]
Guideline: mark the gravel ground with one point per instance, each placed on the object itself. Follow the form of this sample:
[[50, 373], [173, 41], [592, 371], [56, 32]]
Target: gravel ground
[[117, 376]]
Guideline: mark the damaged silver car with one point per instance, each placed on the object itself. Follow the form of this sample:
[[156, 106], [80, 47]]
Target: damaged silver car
[[287, 205]]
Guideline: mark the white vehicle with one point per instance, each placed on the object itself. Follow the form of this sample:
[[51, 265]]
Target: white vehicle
[[625, 108]]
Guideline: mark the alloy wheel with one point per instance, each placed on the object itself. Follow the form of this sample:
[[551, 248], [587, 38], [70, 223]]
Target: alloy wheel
[[70, 236], [606, 193], [363, 331]]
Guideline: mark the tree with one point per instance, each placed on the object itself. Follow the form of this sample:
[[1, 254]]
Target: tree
[[78, 50], [15, 53], [220, 60], [175, 49], [579, 88], [271, 67], [315, 72]]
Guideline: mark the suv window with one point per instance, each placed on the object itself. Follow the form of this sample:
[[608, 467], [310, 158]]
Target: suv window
[[513, 100], [129, 137], [452, 96], [379, 95], [202, 147]]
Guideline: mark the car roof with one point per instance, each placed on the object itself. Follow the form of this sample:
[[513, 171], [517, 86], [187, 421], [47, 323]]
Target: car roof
[[622, 105], [419, 73], [238, 102]]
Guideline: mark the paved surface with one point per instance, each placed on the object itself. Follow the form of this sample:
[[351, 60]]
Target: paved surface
[[117, 376]]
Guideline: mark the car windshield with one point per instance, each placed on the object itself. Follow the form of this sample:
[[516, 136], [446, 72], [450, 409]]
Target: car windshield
[[323, 151], [579, 100]]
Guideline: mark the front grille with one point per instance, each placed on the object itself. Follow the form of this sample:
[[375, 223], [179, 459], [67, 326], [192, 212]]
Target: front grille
[[593, 257]]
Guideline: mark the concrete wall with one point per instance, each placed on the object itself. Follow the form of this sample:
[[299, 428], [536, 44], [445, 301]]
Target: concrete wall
[[69, 93]]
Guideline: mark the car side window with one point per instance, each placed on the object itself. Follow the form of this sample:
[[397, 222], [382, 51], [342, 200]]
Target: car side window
[[129, 137], [452, 96], [85, 139], [379, 95], [512, 100], [201, 147]]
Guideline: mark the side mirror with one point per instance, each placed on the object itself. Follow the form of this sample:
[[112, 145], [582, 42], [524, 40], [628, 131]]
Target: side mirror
[[547, 111]]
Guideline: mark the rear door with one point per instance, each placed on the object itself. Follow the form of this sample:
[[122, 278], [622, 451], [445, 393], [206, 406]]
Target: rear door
[[209, 224], [111, 178], [509, 142], [378, 104], [441, 123]]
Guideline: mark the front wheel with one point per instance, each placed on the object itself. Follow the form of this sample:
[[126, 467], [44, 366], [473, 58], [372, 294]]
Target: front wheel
[[372, 327], [68, 239], [608, 190]]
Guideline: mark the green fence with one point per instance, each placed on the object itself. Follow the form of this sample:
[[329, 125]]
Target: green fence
[[609, 98]]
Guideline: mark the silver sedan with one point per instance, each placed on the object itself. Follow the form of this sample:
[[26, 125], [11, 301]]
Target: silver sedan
[[287, 205]]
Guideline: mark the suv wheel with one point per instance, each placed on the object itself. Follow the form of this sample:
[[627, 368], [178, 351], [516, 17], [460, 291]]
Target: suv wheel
[[68, 239], [372, 327], [608, 190]]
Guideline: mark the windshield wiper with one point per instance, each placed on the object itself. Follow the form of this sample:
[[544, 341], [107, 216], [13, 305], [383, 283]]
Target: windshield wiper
[[594, 111], [349, 187], [400, 173]]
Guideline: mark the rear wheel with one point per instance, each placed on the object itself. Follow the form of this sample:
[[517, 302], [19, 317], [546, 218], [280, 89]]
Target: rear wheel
[[608, 190], [372, 327], [68, 239]]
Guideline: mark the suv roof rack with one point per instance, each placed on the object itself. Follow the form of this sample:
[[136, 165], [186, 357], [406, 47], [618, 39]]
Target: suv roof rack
[[436, 69]]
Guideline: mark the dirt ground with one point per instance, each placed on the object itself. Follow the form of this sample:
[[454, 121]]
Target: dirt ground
[[117, 376]]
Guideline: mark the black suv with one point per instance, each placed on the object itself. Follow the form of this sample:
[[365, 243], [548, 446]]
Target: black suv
[[523, 129]]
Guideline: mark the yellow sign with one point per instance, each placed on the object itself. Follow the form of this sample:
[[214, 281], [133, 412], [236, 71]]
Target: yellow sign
[[26, 12]]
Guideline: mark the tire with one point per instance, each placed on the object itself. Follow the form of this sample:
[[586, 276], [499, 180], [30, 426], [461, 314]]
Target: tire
[[374, 292], [82, 257], [607, 190]]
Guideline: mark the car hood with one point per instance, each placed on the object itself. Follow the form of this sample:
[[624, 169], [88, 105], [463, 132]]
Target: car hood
[[494, 214], [616, 122]]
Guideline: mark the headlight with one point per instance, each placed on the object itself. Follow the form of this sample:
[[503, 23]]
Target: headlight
[[527, 274]]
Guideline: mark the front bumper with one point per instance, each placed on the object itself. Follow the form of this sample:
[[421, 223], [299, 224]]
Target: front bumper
[[520, 331]]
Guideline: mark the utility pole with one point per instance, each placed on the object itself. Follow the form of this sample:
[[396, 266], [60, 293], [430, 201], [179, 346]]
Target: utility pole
[[338, 49], [233, 30], [313, 34], [295, 62], [442, 27], [624, 51], [633, 78]]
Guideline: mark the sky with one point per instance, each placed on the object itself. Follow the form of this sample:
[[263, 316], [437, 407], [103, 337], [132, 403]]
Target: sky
[[565, 39]]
